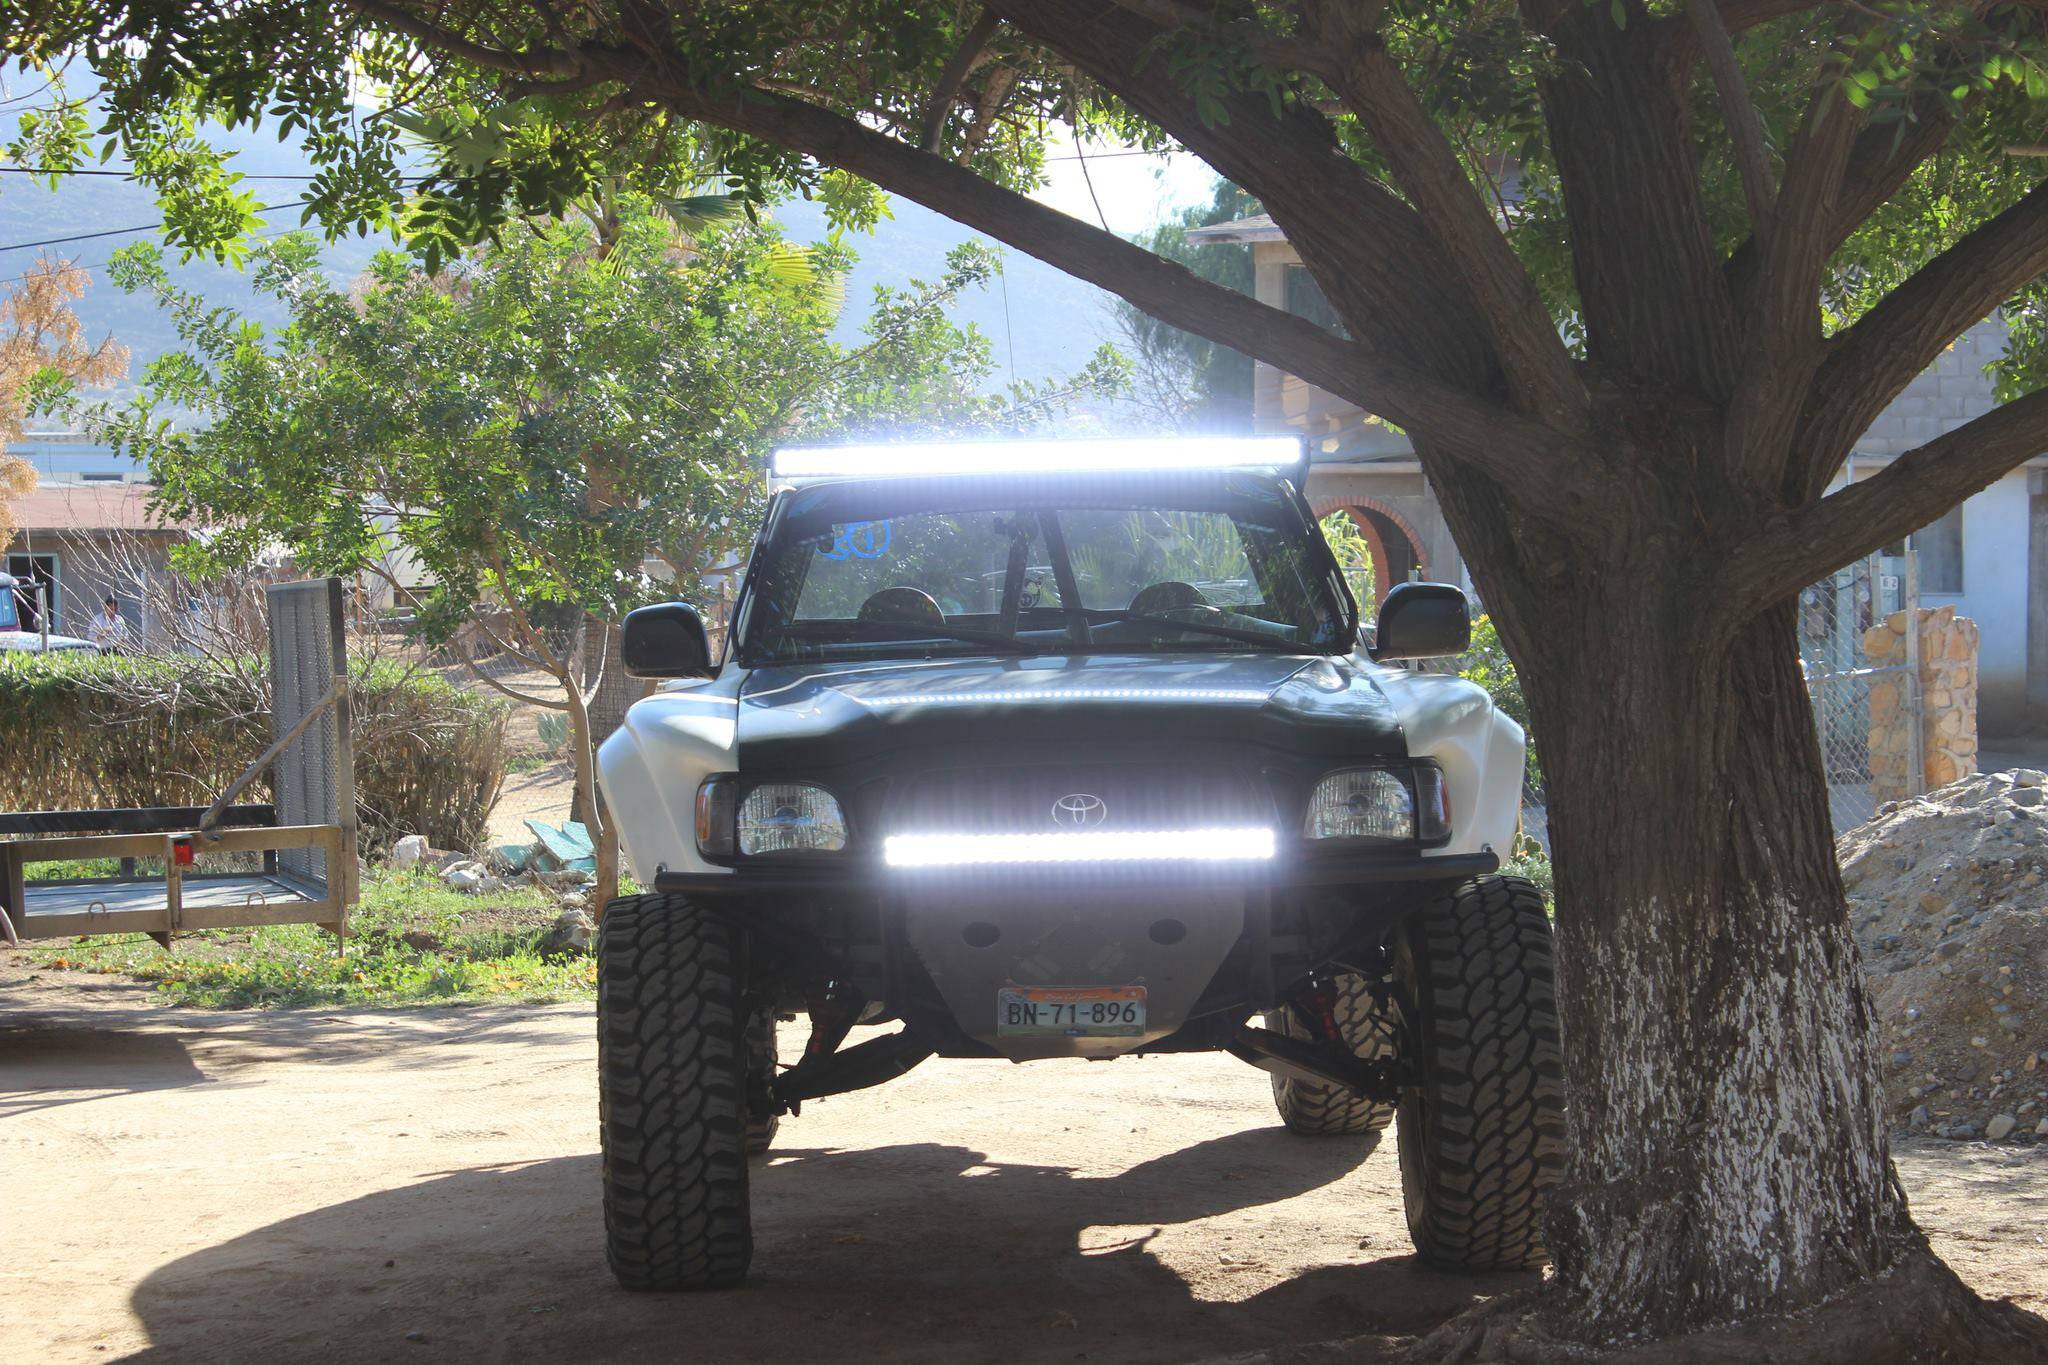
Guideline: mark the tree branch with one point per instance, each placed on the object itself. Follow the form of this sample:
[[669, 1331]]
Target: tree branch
[[1738, 111], [958, 68], [1393, 389], [1538, 367], [1916, 488], [1872, 362], [1657, 310], [1273, 50], [1781, 312], [1879, 162], [529, 63], [529, 698]]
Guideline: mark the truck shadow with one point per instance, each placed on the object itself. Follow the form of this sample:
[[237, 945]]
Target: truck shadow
[[914, 1251]]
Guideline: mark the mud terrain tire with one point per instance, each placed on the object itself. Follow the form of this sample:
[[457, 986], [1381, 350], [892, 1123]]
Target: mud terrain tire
[[1482, 1136], [672, 1108], [1326, 1110], [761, 1062]]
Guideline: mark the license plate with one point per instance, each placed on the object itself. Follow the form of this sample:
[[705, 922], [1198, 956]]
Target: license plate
[[1070, 1011]]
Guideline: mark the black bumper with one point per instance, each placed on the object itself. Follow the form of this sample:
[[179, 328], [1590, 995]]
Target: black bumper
[[869, 879]]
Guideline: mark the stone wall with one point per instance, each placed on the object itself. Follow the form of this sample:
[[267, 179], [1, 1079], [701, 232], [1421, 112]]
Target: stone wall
[[1948, 692]]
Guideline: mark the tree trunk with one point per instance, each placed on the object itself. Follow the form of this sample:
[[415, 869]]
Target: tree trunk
[[595, 817], [1729, 1152], [1729, 1158]]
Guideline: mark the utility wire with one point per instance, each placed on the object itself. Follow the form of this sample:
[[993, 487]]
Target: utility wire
[[120, 232], [131, 175]]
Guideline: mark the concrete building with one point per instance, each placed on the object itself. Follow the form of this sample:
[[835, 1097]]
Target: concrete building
[[1988, 558], [86, 541]]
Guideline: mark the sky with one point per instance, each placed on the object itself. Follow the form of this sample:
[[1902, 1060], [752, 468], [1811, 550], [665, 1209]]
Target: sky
[[1133, 192]]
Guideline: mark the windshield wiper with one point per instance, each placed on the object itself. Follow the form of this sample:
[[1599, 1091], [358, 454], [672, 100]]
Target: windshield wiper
[[909, 632], [1250, 637]]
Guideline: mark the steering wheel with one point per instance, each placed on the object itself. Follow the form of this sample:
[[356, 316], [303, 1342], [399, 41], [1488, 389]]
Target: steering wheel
[[908, 606], [1157, 599]]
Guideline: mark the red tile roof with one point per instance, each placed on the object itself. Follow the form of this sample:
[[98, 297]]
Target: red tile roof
[[90, 507]]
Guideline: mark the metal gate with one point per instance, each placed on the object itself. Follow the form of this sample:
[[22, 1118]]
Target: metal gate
[[1834, 614]]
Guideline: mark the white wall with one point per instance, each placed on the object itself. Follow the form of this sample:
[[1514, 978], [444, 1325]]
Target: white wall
[[1996, 522], [1996, 525]]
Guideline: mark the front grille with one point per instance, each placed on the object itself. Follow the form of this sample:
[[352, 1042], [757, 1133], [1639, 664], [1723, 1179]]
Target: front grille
[[1061, 798]]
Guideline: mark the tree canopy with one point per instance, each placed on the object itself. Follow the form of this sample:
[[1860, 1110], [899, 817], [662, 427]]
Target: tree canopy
[[517, 442]]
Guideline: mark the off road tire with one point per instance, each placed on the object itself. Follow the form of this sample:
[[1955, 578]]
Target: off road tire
[[761, 1063], [1482, 1136], [672, 1109], [1326, 1110]]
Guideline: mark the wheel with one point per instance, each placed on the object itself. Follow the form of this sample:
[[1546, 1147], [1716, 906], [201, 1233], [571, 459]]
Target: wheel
[[761, 1122], [1306, 1107], [1482, 1137], [671, 1059]]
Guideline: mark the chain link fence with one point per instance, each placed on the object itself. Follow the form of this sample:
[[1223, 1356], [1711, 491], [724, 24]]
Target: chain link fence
[[1841, 677]]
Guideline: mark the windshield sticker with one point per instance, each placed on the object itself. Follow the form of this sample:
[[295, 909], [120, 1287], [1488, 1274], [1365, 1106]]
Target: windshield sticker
[[859, 540]]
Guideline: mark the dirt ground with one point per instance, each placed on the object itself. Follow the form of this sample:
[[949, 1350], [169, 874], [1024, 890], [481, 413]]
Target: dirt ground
[[322, 1186]]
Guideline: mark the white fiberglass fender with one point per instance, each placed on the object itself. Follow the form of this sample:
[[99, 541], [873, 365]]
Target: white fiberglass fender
[[651, 767], [1481, 751]]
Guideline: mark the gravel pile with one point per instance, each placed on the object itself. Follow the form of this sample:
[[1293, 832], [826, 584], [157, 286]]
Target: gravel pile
[[1949, 896]]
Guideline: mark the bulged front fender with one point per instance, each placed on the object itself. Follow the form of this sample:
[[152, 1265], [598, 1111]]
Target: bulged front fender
[[651, 766], [1482, 752]]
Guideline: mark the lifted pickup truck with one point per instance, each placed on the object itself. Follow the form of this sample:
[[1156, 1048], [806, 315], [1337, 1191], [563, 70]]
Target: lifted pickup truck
[[1056, 749]]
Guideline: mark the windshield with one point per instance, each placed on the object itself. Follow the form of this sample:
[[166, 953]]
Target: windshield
[[930, 567]]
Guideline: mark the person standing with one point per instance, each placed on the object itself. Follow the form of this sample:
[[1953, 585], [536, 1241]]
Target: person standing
[[108, 630]]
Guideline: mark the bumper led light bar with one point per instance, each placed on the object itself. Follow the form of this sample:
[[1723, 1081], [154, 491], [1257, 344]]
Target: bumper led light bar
[[1049, 695], [1164, 845], [1041, 457]]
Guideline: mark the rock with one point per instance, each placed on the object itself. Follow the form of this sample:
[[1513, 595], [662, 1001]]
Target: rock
[[467, 876], [2000, 1127], [2028, 797], [2041, 1128], [576, 900], [1920, 1117], [2028, 777], [420, 939], [408, 852], [1933, 904]]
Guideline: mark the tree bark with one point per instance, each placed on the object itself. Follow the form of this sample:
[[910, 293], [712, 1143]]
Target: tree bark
[[1733, 1157]]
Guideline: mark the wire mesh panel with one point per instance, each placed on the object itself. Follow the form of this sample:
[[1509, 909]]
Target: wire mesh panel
[[1848, 690], [313, 779]]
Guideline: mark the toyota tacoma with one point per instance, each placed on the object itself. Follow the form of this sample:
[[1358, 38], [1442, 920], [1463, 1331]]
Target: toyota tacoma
[[1066, 749]]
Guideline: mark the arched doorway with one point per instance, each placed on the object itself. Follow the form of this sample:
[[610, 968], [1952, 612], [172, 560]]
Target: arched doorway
[[1395, 547]]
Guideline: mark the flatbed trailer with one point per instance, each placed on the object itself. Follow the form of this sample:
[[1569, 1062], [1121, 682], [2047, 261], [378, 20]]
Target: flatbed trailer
[[306, 836]]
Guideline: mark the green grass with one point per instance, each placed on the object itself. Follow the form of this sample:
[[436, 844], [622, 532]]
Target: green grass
[[73, 869], [412, 941]]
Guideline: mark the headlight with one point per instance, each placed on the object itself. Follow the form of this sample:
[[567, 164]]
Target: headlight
[[790, 817], [775, 817], [1380, 803]]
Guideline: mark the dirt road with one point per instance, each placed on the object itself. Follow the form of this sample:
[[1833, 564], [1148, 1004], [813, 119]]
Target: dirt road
[[423, 1185]]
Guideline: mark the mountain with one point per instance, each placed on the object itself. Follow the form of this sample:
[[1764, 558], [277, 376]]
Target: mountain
[[1039, 321]]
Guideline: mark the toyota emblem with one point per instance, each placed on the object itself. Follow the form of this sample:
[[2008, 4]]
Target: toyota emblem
[[1078, 810]]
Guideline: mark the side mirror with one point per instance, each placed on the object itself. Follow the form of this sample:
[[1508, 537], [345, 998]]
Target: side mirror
[[1422, 621], [666, 640]]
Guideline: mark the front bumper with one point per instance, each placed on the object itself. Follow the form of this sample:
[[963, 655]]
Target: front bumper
[[869, 878]]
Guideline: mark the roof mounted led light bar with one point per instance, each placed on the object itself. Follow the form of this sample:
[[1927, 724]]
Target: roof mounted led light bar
[[1286, 454]]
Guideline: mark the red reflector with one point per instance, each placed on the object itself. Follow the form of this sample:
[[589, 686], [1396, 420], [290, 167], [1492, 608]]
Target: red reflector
[[181, 852]]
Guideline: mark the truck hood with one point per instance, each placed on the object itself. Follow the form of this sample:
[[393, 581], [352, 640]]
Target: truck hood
[[947, 711]]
